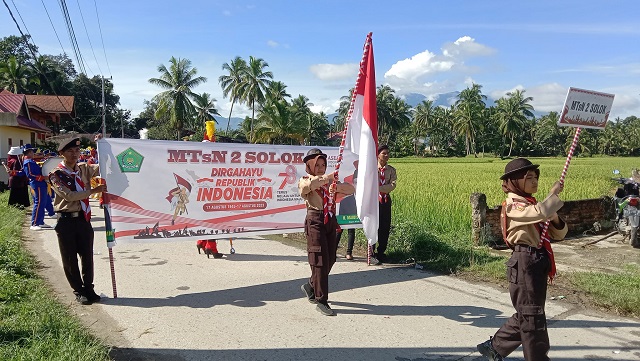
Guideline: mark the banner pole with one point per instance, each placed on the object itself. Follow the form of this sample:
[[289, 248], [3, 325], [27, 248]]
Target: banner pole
[[109, 235], [574, 143]]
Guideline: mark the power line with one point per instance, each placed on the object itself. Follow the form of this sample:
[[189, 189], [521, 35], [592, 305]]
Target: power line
[[21, 19], [54, 28], [102, 39], [35, 56], [72, 37], [88, 37]]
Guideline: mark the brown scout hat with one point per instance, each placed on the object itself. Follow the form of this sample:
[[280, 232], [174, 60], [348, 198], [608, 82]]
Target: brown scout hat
[[75, 142], [314, 152], [517, 165]]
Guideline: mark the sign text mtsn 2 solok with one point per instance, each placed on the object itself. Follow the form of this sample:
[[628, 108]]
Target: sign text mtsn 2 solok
[[190, 191]]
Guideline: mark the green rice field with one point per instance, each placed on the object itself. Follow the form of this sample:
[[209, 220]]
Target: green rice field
[[432, 212]]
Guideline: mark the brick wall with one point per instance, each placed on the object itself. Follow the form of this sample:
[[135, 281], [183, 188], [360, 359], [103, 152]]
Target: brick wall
[[580, 216]]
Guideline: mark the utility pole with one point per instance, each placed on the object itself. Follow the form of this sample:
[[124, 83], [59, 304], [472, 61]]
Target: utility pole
[[104, 127]]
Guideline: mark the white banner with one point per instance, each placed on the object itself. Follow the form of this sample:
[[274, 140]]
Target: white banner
[[586, 109], [170, 190]]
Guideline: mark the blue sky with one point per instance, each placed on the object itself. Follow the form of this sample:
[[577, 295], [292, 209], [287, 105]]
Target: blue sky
[[421, 46]]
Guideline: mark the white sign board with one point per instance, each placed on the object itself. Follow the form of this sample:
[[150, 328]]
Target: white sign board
[[168, 190], [586, 109]]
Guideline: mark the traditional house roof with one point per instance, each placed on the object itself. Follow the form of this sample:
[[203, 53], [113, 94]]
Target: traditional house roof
[[59, 104], [28, 123], [13, 103]]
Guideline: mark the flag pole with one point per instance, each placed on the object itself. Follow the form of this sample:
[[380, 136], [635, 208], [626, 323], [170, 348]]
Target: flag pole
[[336, 178], [109, 233], [545, 228]]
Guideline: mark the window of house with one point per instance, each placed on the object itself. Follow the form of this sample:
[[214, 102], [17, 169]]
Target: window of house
[[10, 142]]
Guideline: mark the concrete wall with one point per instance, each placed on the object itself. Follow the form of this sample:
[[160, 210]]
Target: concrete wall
[[580, 216]]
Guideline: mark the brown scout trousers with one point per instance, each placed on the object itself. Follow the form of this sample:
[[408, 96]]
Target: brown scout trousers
[[75, 238], [527, 271], [321, 248]]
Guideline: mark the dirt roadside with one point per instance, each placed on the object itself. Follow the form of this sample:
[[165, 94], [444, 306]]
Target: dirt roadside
[[605, 253], [581, 254]]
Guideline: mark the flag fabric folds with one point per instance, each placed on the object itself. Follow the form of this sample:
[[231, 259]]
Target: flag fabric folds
[[179, 182], [362, 139]]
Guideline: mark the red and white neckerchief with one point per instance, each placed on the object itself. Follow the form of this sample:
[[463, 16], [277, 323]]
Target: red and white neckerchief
[[84, 203], [382, 197], [323, 192], [545, 242]]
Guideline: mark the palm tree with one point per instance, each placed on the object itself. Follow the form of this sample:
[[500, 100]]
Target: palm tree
[[277, 125], [255, 82], [277, 91], [512, 112], [205, 108], [232, 83], [16, 77], [469, 112], [179, 79], [301, 110]]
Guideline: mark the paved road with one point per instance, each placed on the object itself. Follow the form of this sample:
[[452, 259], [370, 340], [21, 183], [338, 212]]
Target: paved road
[[174, 304]]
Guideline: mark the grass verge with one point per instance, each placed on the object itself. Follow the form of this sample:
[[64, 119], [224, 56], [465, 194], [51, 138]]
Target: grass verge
[[33, 325], [618, 292]]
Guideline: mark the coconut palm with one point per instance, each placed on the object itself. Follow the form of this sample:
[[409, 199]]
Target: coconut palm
[[277, 125], [301, 110], [512, 112], [15, 77], [178, 79], [277, 91], [255, 81], [205, 108], [232, 83], [469, 112]]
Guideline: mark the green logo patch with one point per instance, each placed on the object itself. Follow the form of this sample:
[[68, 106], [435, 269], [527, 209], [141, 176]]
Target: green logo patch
[[130, 161]]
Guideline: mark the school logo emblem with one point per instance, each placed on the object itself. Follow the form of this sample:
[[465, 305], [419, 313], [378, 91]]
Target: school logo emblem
[[130, 161]]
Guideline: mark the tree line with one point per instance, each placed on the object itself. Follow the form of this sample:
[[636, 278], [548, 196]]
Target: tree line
[[24, 71], [468, 127]]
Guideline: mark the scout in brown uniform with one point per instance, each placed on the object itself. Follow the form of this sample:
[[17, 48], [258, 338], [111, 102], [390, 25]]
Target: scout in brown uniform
[[71, 183], [530, 263], [320, 227], [387, 179]]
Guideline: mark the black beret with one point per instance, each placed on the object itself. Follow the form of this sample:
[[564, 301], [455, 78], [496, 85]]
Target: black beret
[[75, 142]]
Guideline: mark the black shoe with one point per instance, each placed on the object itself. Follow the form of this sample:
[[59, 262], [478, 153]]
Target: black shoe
[[325, 309], [382, 258], [93, 297], [82, 299], [308, 292], [486, 350], [217, 255]]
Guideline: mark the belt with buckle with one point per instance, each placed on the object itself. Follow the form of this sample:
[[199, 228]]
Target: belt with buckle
[[71, 214], [529, 249]]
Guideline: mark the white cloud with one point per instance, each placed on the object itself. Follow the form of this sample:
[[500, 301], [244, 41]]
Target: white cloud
[[331, 72], [418, 65], [272, 44], [466, 46], [548, 97], [497, 94], [427, 71]]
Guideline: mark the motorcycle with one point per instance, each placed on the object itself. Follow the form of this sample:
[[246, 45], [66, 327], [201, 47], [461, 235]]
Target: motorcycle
[[627, 200]]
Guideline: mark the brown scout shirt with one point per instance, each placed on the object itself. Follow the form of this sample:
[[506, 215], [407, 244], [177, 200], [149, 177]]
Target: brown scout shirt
[[523, 216], [390, 178], [308, 185], [67, 198]]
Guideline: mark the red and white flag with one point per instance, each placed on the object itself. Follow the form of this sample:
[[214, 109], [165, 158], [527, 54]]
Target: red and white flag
[[362, 139]]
